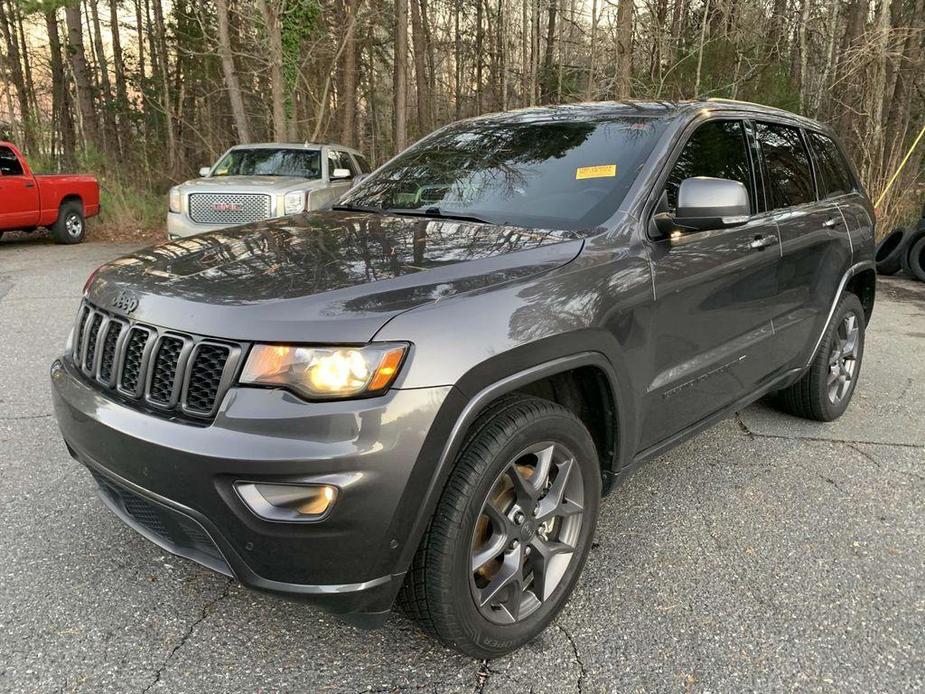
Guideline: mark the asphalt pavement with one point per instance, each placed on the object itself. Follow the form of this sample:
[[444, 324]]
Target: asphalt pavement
[[768, 553]]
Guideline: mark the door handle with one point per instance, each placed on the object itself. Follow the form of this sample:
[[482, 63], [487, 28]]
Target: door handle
[[30, 185], [831, 222], [759, 243]]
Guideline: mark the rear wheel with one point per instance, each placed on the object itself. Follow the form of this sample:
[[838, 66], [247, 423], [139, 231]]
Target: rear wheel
[[511, 532], [825, 390], [70, 227]]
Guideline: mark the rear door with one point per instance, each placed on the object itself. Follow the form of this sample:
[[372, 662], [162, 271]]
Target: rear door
[[19, 194], [815, 250], [715, 290]]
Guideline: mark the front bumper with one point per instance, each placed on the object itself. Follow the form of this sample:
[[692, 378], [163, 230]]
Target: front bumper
[[173, 482], [179, 226]]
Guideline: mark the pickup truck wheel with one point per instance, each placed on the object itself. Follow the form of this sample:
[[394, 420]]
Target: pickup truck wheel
[[825, 390], [70, 227], [511, 532]]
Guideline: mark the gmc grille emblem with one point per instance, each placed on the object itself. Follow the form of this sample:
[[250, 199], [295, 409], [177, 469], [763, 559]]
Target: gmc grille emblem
[[226, 207], [125, 301]]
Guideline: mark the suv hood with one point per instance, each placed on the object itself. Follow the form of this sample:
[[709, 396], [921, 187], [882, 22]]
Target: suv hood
[[322, 276], [255, 184]]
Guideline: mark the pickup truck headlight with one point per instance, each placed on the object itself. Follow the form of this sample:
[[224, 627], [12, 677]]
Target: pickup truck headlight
[[173, 199], [325, 372], [294, 202]]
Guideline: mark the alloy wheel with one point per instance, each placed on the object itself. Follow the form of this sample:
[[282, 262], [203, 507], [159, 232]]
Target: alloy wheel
[[73, 224], [526, 533], [843, 359]]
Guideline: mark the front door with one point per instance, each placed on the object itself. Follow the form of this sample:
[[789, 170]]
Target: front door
[[715, 292], [19, 196]]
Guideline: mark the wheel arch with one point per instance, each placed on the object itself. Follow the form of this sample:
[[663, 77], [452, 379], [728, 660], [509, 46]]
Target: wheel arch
[[72, 197], [587, 365], [863, 284]]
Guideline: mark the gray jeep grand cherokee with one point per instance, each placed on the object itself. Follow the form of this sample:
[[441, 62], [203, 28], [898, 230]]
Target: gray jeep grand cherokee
[[421, 393]]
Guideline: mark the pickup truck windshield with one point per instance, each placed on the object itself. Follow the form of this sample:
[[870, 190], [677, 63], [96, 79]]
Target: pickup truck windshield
[[262, 161], [566, 175]]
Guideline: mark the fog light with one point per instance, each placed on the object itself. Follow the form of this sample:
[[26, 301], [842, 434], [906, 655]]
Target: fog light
[[287, 502]]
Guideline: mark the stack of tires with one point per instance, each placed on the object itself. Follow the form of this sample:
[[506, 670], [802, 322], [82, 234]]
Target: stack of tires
[[903, 249]]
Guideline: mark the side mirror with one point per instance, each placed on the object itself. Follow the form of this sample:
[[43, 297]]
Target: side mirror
[[358, 179], [711, 203], [205, 171], [339, 174]]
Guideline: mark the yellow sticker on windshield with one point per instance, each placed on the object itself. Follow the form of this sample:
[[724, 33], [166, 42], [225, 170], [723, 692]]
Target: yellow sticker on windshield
[[602, 171]]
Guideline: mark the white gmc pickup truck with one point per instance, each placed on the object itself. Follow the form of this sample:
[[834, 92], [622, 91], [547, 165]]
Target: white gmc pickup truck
[[261, 181]]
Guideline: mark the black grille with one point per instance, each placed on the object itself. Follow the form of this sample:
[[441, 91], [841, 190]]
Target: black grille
[[175, 529], [89, 357], [165, 369], [157, 370], [206, 377], [109, 351], [134, 352]]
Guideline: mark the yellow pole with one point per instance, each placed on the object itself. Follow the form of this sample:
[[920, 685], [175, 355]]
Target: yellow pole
[[901, 165]]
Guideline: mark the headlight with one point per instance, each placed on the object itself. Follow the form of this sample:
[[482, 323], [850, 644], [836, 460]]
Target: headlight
[[173, 201], [325, 372], [294, 202]]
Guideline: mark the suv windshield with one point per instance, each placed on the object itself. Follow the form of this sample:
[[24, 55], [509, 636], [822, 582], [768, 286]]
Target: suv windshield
[[270, 162], [551, 174]]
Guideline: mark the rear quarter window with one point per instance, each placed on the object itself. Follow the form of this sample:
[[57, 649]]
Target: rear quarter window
[[832, 169]]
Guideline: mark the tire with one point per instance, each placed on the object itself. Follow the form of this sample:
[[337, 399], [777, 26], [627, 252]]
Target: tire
[[812, 396], [912, 241], [71, 226], [485, 513], [916, 259], [890, 251]]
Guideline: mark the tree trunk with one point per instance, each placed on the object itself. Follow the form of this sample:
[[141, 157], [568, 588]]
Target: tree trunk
[[400, 78], [624, 71], [230, 73], [118, 62], [78, 61], [420, 70], [270, 11], [112, 134], [547, 76], [11, 38], [349, 96], [61, 100]]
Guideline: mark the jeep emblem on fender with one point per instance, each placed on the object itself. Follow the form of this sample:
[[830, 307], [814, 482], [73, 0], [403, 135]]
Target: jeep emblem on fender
[[125, 301]]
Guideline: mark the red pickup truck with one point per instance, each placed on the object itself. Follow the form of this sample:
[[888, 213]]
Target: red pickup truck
[[62, 203]]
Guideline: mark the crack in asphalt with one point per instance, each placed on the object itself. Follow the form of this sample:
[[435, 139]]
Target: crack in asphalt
[[819, 439], [204, 613], [581, 666], [25, 416]]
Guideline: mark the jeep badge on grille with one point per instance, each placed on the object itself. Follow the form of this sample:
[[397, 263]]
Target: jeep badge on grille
[[125, 301]]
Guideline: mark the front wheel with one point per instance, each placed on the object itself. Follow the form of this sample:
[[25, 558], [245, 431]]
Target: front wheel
[[825, 390], [70, 227], [511, 532]]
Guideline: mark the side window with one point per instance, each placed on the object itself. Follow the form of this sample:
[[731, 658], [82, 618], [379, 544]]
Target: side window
[[789, 177], [362, 163], [347, 163], [831, 166], [717, 149], [9, 163]]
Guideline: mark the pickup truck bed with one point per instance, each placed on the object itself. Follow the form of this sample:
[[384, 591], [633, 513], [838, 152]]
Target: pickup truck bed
[[60, 202]]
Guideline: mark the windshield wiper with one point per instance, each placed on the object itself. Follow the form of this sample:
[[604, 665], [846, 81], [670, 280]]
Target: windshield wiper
[[437, 213], [359, 208]]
